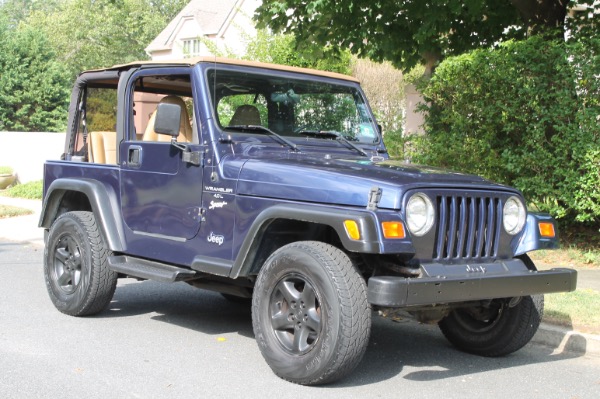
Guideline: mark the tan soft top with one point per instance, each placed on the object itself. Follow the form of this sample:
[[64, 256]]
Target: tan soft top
[[220, 60]]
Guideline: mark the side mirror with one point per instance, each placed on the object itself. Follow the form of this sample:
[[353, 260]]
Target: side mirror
[[168, 119]]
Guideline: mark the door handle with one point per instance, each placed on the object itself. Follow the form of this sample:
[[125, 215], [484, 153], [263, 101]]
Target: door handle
[[134, 156]]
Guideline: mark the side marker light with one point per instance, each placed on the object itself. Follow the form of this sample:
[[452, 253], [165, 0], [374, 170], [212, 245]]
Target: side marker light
[[547, 229], [352, 229], [393, 229]]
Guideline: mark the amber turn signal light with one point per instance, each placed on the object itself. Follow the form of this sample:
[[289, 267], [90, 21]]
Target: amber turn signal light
[[393, 229], [352, 229], [546, 229]]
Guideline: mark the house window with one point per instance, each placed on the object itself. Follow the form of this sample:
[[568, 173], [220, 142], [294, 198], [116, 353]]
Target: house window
[[192, 48]]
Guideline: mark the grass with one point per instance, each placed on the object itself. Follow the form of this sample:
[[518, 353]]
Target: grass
[[30, 190], [7, 211], [572, 257], [5, 170], [580, 248], [579, 310]]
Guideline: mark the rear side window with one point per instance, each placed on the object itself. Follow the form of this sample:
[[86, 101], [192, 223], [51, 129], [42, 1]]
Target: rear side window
[[97, 112], [102, 109]]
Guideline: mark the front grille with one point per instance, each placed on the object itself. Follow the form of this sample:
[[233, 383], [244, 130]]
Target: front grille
[[468, 227]]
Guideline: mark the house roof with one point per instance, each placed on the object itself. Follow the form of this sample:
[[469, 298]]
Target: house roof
[[210, 15]]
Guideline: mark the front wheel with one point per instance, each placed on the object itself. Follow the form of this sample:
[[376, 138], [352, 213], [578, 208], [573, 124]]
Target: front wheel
[[310, 313], [502, 327]]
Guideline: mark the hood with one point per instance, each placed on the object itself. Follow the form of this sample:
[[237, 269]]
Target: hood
[[347, 181]]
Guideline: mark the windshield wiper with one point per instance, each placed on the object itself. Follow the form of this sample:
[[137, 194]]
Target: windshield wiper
[[330, 134], [262, 129]]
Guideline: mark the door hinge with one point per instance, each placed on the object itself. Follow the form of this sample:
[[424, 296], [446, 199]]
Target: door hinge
[[194, 157]]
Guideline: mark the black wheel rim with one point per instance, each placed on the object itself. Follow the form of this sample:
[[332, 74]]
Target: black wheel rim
[[295, 314], [479, 321], [66, 266]]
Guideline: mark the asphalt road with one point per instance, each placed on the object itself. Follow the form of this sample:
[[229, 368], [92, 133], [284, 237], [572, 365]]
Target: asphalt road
[[175, 341]]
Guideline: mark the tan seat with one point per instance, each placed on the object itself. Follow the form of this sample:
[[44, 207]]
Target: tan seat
[[185, 130], [102, 147], [245, 115]]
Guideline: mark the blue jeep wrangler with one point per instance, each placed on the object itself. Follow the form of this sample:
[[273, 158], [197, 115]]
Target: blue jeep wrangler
[[273, 183]]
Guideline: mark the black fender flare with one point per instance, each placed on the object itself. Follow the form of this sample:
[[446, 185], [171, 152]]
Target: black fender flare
[[103, 201], [326, 215]]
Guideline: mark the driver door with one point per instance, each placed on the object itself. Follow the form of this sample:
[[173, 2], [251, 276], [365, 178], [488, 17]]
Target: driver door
[[161, 193]]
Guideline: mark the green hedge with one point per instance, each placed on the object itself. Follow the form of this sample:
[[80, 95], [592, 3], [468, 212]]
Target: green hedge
[[525, 114]]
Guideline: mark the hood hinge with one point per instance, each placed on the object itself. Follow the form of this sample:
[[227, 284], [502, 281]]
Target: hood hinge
[[374, 198]]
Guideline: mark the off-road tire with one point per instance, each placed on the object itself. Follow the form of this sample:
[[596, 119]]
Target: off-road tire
[[77, 276], [310, 313], [506, 331]]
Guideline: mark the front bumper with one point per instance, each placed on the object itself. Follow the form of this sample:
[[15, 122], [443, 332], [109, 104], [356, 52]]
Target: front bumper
[[442, 284]]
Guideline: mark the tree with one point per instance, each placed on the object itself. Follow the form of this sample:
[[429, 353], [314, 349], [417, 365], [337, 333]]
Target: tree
[[16, 11], [282, 49], [34, 88], [99, 33], [410, 32]]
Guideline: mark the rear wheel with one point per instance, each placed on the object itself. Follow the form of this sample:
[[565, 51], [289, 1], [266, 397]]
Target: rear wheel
[[77, 276], [310, 313]]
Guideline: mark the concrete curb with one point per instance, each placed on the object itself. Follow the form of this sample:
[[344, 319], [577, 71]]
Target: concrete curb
[[561, 339]]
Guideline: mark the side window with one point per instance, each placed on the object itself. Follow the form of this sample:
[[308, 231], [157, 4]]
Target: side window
[[149, 92], [96, 137], [101, 109]]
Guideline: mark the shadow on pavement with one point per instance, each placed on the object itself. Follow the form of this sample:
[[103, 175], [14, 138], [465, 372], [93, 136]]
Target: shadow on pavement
[[393, 347], [180, 304]]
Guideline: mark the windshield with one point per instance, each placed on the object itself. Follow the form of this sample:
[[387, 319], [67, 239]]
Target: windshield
[[291, 107]]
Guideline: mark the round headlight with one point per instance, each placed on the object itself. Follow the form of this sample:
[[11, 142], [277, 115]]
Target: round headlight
[[420, 214], [514, 215]]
